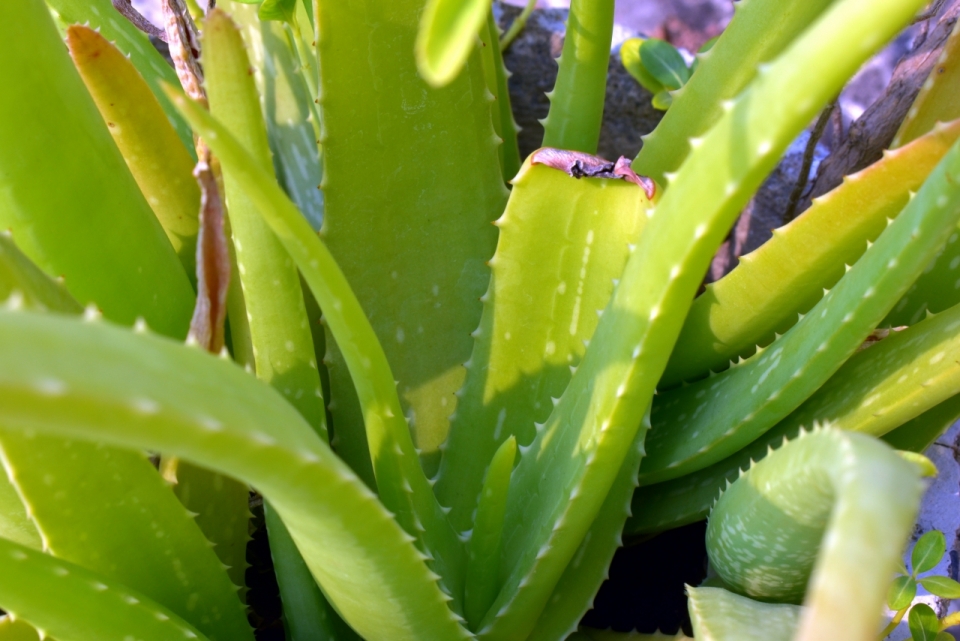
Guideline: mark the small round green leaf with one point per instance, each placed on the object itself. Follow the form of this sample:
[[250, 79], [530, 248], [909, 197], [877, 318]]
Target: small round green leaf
[[662, 100], [664, 63], [923, 622], [944, 636], [630, 57], [277, 10], [901, 592], [928, 551], [941, 586]]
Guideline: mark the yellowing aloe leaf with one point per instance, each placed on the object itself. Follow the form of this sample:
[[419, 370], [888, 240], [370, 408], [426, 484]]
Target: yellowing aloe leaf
[[161, 165]]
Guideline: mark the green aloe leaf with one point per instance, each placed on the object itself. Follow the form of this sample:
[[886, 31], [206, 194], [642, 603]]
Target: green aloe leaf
[[427, 221], [496, 75], [759, 32], [66, 601], [923, 622], [942, 586], [570, 466], [402, 485], [755, 395], [20, 276], [562, 243], [928, 551], [788, 273], [575, 591], [875, 391], [446, 37], [15, 630], [664, 63], [719, 615], [901, 592], [921, 432], [79, 380], [576, 102], [805, 524], [95, 228], [486, 538], [286, 102], [132, 528]]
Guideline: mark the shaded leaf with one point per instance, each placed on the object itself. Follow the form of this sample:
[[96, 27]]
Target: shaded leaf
[[923, 622], [630, 57], [662, 100], [901, 593], [941, 586], [928, 551], [664, 63], [278, 10]]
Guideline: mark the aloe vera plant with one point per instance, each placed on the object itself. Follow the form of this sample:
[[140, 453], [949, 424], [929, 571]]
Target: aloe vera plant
[[441, 362]]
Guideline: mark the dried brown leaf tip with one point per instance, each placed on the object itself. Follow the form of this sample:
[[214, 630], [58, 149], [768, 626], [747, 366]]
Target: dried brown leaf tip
[[213, 265], [580, 165]]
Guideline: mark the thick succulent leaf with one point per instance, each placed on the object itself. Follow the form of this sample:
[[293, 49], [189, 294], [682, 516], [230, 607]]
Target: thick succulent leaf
[[290, 123], [876, 391], [412, 177], [100, 15], [109, 511], [65, 191], [576, 102], [920, 433], [568, 470], [221, 505], [20, 277], [562, 243], [15, 524], [151, 147], [824, 519], [81, 380], [588, 634], [67, 601], [282, 343], [401, 483], [496, 74], [787, 274], [131, 528], [719, 615], [749, 399], [759, 32], [286, 103], [15, 630], [447, 36], [574, 593], [938, 99], [480, 587], [306, 612]]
